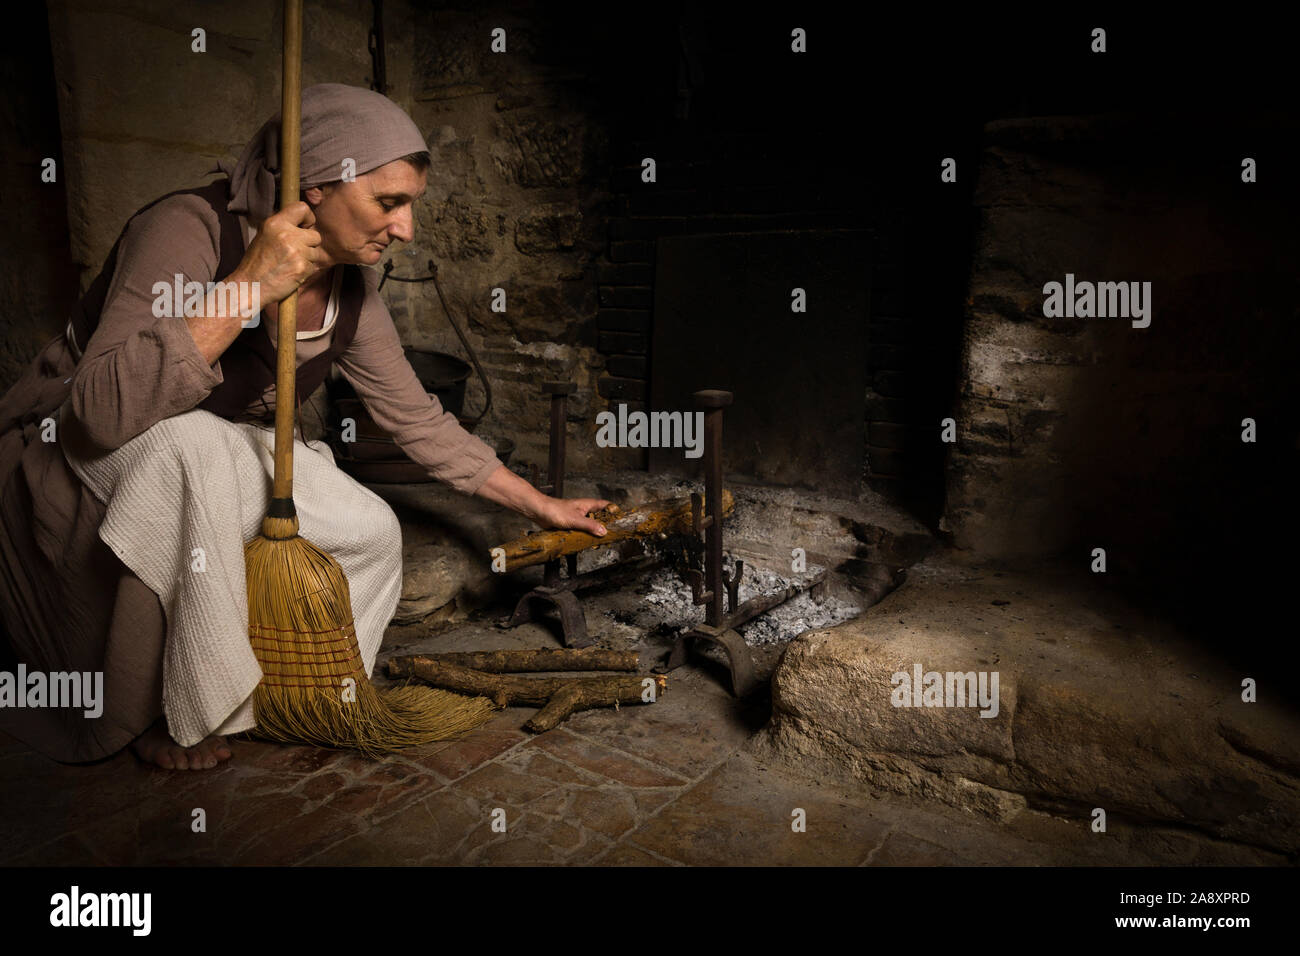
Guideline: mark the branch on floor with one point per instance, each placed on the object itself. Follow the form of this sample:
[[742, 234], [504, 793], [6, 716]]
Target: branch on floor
[[557, 696]]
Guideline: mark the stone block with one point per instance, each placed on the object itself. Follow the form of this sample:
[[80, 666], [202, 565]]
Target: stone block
[[541, 148], [432, 576], [448, 55], [1080, 723], [457, 230], [548, 227], [539, 310]]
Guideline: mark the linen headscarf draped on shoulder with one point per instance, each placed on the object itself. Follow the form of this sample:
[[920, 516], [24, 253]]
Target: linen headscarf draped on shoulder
[[338, 122]]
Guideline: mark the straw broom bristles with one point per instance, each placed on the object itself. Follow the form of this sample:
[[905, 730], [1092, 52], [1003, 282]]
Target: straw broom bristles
[[301, 626]]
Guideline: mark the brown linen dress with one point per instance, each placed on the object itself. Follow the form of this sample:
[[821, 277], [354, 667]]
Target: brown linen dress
[[68, 603]]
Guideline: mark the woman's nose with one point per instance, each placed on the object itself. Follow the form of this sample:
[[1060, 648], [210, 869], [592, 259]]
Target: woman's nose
[[403, 225]]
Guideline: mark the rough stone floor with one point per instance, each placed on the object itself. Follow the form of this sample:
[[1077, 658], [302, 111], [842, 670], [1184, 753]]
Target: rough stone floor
[[669, 784]]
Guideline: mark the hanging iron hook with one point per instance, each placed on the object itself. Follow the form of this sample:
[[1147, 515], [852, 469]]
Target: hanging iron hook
[[473, 356]]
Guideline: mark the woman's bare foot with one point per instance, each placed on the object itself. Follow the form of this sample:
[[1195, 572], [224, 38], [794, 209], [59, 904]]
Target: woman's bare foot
[[156, 746]]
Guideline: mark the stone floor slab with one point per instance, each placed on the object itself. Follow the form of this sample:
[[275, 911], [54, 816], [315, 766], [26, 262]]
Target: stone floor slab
[[743, 815], [600, 759], [428, 831]]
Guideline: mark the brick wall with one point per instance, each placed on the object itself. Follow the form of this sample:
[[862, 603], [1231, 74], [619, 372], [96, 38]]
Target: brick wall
[[735, 183]]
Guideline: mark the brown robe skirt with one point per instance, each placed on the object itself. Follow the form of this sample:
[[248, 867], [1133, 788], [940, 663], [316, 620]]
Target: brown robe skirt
[[68, 602]]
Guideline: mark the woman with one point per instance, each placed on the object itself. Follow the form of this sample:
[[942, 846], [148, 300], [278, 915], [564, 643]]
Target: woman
[[143, 424]]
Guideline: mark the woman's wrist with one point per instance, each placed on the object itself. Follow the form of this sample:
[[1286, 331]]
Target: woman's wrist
[[542, 510], [506, 488]]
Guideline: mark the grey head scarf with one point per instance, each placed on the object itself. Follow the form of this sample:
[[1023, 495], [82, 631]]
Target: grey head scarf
[[338, 122]]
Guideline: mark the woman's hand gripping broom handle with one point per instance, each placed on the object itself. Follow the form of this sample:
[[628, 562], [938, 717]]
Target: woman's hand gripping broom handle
[[282, 517]]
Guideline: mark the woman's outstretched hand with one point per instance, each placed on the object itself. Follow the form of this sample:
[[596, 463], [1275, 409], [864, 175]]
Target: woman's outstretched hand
[[571, 513], [506, 488]]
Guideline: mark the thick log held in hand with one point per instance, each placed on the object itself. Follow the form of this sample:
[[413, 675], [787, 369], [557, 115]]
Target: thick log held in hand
[[670, 516]]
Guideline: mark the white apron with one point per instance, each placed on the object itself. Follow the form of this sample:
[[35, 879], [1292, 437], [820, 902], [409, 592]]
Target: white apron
[[197, 481]]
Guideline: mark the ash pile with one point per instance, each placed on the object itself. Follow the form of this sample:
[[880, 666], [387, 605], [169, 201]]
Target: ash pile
[[666, 605]]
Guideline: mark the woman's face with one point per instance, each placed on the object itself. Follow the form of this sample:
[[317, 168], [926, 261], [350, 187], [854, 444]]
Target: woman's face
[[357, 220]]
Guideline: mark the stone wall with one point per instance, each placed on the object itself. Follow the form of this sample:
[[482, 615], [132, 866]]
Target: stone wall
[[1076, 433], [143, 114], [514, 203]]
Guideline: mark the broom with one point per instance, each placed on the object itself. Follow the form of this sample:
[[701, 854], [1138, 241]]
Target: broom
[[314, 687]]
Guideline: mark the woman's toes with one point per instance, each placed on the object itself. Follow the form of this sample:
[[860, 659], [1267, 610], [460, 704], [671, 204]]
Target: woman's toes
[[156, 747], [211, 752], [216, 750]]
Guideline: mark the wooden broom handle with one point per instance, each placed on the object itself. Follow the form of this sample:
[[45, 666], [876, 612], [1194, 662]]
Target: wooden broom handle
[[286, 362]]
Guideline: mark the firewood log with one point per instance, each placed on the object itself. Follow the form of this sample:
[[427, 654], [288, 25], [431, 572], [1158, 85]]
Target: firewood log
[[672, 516], [539, 659], [557, 696]]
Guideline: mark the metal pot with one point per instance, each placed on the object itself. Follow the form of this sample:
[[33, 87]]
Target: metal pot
[[443, 375]]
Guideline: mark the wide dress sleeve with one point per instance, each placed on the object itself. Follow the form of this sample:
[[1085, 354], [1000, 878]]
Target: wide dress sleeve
[[138, 369], [376, 366]]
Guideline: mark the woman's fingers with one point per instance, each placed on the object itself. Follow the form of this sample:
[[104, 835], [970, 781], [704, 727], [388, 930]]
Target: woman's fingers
[[297, 214], [286, 252], [589, 525], [582, 507], [571, 513]]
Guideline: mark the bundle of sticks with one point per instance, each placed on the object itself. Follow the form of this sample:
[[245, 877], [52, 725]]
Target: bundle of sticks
[[486, 674]]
